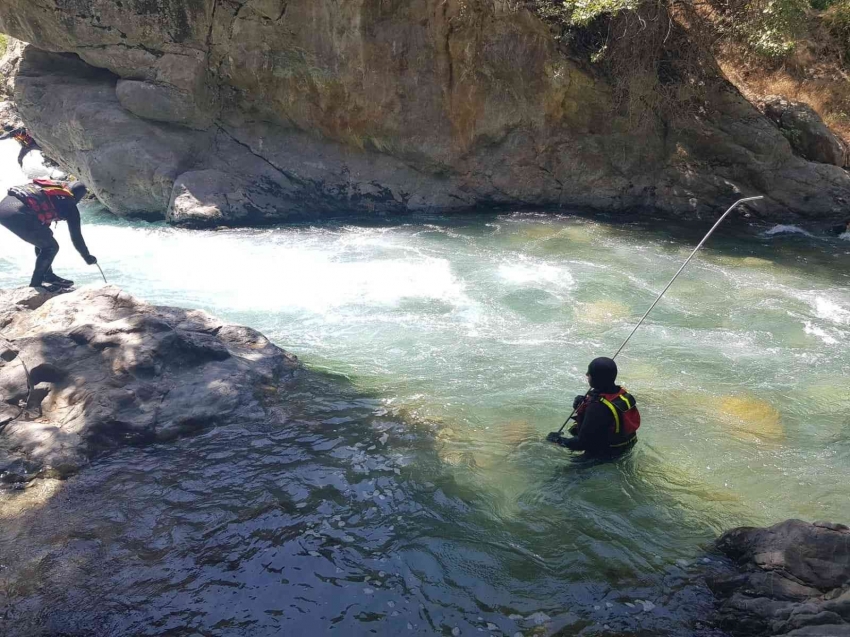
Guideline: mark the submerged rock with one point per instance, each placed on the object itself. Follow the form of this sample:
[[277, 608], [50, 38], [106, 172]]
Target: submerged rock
[[794, 580], [90, 370]]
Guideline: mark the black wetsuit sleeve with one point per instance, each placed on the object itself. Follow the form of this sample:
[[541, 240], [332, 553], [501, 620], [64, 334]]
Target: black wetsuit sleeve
[[72, 216], [593, 433]]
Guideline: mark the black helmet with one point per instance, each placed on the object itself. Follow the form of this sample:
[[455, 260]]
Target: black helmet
[[79, 190], [603, 373]]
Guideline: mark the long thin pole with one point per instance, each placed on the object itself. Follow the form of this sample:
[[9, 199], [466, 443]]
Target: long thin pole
[[101, 273], [675, 276]]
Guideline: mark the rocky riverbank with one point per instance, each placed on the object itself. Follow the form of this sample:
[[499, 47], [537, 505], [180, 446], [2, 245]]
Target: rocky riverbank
[[90, 370], [243, 112], [793, 579]]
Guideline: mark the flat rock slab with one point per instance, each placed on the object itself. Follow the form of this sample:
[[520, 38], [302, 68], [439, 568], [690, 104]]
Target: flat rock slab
[[87, 371], [794, 580]]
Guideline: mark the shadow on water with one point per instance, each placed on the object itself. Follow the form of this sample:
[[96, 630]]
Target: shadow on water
[[344, 517]]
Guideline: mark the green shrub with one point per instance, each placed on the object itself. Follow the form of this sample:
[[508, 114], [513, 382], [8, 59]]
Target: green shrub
[[4, 42], [837, 20], [772, 27]]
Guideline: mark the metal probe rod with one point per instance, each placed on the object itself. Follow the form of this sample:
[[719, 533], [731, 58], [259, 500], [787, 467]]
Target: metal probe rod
[[675, 276], [101, 273]]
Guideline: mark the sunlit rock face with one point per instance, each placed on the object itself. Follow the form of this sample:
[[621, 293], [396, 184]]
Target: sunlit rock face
[[241, 112]]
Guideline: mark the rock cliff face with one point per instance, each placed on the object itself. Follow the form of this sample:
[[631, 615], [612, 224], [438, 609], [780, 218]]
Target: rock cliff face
[[87, 371], [240, 112]]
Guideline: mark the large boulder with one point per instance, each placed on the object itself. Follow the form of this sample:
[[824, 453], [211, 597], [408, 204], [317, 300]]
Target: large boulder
[[809, 136], [90, 370], [794, 580], [313, 107]]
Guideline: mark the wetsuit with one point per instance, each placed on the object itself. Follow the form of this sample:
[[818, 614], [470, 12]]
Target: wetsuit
[[28, 144], [20, 219], [606, 419]]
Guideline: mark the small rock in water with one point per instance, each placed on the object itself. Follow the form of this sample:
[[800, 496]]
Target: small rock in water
[[539, 618], [384, 439], [368, 590], [409, 626], [597, 607], [391, 604], [315, 554], [455, 631], [630, 605], [647, 605], [492, 626], [515, 617], [609, 605]]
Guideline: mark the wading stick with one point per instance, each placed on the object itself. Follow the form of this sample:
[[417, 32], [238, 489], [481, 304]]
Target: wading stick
[[675, 276]]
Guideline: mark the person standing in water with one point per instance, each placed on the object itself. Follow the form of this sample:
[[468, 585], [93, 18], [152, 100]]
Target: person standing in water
[[607, 418], [28, 211]]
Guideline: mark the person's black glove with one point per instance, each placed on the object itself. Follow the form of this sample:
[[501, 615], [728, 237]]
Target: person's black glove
[[90, 260], [553, 437], [577, 401]]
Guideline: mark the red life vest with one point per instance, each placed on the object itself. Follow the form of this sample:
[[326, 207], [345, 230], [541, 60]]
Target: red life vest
[[41, 196], [625, 412]]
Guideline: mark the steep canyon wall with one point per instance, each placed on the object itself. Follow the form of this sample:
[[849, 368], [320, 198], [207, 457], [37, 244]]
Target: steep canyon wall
[[241, 112]]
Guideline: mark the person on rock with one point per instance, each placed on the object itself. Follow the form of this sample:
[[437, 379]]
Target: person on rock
[[607, 418], [28, 144], [28, 211]]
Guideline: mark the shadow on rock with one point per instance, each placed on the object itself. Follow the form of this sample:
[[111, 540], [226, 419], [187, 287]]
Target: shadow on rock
[[102, 369]]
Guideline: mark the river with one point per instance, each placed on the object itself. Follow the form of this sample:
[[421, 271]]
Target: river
[[409, 490]]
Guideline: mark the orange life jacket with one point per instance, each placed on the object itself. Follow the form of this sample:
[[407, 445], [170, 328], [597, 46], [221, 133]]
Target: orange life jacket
[[41, 196], [24, 138]]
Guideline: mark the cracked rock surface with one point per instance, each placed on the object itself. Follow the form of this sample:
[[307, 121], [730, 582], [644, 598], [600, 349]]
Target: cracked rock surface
[[245, 112], [102, 369], [794, 580]]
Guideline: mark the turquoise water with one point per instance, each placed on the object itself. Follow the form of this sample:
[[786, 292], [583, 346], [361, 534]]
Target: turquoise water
[[466, 340]]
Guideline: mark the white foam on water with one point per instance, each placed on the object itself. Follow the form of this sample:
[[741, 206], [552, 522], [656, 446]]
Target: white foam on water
[[808, 328], [786, 229], [831, 311], [530, 273], [264, 273], [10, 173], [845, 236]]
